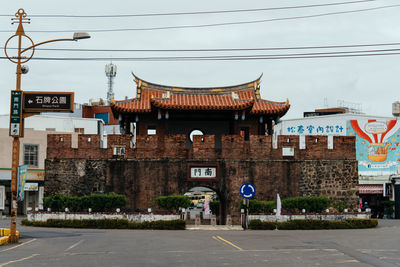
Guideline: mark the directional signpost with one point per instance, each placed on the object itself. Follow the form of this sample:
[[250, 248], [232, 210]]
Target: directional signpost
[[247, 191], [48, 101]]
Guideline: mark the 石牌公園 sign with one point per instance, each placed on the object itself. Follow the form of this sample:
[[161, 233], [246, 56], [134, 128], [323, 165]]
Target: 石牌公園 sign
[[48, 101]]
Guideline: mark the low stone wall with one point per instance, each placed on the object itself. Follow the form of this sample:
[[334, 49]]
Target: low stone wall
[[327, 217], [132, 217]]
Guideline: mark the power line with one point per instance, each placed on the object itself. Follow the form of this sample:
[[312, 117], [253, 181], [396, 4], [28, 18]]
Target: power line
[[219, 24], [212, 49], [196, 12], [361, 53]]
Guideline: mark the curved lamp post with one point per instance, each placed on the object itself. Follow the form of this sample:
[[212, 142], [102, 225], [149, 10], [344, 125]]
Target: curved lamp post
[[19, 59]]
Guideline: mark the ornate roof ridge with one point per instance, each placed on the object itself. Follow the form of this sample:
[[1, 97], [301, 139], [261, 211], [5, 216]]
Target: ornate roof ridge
[[275, 102], [126, 100], [179, 89]]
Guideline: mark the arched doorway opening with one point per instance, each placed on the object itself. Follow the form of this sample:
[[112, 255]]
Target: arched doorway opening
[[205, 203]]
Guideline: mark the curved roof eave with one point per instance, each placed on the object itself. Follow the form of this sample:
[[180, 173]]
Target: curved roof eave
[[169, 87]]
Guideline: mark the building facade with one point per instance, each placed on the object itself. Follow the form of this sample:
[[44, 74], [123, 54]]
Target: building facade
[[33, 151], [377, 149], [179, 138]]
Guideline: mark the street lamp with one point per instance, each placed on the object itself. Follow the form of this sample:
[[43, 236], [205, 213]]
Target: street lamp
[[17, 115]]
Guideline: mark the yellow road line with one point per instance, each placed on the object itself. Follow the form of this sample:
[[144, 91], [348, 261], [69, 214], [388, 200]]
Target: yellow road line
[[283, 250], [27, 242], [22, 259], [226, 241]]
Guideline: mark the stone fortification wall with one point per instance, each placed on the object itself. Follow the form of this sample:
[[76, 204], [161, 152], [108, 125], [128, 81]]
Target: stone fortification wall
[[158, 166]]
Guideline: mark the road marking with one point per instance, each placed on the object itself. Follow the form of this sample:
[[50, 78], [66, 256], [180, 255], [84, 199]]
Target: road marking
[[284, 250], [218, 238], [347, 261], [74, 245], [22, 259], [89, 253], [27, 242]]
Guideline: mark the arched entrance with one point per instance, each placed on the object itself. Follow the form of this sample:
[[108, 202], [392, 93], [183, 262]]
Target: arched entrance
[[206, 201]]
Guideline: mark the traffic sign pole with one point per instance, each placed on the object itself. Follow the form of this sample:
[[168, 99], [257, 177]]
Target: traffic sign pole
[[247, 213], [247, 191]]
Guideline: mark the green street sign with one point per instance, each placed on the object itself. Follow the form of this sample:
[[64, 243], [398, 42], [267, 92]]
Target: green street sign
[[15, 113]]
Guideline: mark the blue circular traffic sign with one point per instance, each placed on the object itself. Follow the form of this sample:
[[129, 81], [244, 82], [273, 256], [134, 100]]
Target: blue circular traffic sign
[[247, 190]]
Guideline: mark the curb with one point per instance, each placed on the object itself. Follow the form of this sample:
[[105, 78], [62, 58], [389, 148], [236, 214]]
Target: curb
[[4, 235], [214, 228]]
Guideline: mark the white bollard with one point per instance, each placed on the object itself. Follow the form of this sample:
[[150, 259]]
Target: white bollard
[[229, 220], [197, 221], [213, 220]]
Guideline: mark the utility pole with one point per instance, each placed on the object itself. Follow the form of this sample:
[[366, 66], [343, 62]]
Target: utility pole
[[17, 114]]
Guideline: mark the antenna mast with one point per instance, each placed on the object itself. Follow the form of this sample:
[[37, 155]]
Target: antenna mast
[[111, 72]]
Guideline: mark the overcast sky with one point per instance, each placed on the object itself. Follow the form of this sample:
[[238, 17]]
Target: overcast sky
[[308, 83]]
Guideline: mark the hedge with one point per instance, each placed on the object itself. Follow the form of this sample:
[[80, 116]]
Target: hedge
[[97, 202], [109, 224], [172, 202], [309, 224], [256, 206], [295, 204], [310, 204]]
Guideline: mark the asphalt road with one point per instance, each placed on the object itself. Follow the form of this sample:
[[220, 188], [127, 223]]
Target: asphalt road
[[86, 247]]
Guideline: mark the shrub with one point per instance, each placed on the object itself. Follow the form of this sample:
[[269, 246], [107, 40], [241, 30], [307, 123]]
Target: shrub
[[159, 225], [109, 224], [388, 207], [313, 224], [340, 205], [97, 202], [56, 202], [259, 225], [173, 202], [310, 204], [214, 207], [362, 223], [256, 206]]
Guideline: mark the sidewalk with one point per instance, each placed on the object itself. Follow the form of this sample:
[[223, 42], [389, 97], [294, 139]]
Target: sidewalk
[[5, 221], [214, 228]]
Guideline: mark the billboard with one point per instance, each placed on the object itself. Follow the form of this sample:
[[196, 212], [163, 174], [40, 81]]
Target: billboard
[[22, 173], [314, 127], [2, 196], [377, 145]]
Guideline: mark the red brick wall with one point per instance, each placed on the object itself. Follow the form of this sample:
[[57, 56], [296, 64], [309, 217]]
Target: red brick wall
[[173, 146]]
